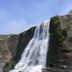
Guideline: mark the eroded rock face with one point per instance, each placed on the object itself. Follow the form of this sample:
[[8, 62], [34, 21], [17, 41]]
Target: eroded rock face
[[4, 53], [16, 45], [60, 46], [66, 23], [6, 49], [24, 38]]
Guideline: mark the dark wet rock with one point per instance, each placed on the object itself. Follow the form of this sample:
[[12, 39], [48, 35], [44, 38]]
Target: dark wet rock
[[24, 38]]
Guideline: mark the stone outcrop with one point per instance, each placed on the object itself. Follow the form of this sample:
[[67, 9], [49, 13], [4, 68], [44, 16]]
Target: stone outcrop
[[16, 45], [59, 57], [8, 45], [24, 38]]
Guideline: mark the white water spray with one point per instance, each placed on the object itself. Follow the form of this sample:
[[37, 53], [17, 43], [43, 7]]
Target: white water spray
[[33, 58]]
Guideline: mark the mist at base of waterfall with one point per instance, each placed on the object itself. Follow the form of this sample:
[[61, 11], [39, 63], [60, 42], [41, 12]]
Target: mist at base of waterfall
[[33, 58]]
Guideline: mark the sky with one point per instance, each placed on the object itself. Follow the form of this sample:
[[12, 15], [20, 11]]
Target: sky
[[17, 16]]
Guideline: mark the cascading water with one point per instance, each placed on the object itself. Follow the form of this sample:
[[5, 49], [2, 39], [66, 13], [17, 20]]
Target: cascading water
[[33, 58]]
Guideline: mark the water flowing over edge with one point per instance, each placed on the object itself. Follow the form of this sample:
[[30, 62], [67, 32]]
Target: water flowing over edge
[[33, 58]]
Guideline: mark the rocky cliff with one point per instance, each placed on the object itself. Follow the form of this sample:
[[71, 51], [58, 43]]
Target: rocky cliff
[[59, 58], [59, 55], [11, 47], [8, 47]]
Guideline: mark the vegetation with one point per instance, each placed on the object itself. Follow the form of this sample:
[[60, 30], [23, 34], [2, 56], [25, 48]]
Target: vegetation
[[9, 66], [60, 34], [57, 36]]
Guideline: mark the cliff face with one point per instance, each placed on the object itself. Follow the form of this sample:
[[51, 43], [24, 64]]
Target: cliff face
[[60, 45], [16, 45], [24, 38], [8, 46]]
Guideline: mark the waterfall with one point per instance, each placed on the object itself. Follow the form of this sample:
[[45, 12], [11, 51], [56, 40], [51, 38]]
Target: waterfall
[[33, 58]]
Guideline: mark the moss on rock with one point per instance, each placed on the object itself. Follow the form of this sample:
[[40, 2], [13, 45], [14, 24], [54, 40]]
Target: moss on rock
[[10, 65], [57, 36]]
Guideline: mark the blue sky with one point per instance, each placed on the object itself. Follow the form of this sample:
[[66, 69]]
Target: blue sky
[[19, 15]]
